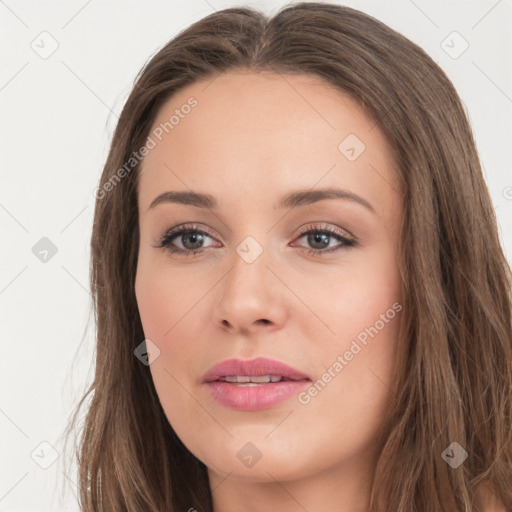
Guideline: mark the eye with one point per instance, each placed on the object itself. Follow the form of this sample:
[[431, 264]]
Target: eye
[[192, 240], [189, 236], [320, 236]]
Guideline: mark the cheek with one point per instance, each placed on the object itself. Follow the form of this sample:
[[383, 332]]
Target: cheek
[[164, 300], [171, 312], [364, 313], [349, 301]]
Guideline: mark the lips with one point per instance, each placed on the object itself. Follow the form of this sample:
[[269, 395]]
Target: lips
[[258, 367], [254, 385]]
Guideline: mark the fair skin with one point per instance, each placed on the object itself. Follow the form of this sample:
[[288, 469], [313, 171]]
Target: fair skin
[[251, 139]]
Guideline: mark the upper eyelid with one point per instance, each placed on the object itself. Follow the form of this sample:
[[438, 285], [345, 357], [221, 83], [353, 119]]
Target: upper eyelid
[[312, 226], [332, 231]]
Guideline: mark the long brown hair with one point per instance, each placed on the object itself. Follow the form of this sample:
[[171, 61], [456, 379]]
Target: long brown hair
[[454, 380]]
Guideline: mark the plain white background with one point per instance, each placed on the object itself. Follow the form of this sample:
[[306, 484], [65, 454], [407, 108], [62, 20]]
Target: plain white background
[[59, 112]]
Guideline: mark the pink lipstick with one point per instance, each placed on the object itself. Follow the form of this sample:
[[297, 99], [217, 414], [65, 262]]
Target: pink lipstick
[[252, 385]]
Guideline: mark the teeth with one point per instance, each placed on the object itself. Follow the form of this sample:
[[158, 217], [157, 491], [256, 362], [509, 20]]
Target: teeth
[[246, 379], [235, 378]]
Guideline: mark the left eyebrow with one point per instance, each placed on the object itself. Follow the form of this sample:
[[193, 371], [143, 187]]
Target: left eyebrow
[[291, 200], [303, 197]]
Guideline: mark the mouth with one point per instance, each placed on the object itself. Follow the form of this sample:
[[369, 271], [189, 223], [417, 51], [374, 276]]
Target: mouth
[[255, 371], [254, 385]]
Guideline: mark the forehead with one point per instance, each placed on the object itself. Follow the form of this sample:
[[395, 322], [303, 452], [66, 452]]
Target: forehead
[[262, 133]]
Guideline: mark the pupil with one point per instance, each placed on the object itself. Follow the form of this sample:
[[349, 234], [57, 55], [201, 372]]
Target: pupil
[[193, 237], [318, 238]]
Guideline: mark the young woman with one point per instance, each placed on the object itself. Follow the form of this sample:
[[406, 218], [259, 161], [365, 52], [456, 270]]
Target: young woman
[[300, 295]]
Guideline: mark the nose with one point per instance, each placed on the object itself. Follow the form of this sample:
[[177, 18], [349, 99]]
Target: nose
[[250, 297]]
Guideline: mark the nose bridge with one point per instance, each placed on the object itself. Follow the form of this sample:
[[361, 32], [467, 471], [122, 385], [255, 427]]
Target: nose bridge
[[251, 249], [248, 294], [250, 261]]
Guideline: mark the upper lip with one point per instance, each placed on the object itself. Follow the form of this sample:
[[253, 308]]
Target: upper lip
[[253, 368]]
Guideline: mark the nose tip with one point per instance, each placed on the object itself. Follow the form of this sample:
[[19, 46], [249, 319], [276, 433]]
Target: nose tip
[[249, 298]]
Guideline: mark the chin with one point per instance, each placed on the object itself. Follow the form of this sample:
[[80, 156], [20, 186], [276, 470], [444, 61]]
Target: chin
[[260, 461]]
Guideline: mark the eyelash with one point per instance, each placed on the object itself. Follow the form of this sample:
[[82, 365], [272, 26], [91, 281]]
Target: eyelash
[[169, 236]]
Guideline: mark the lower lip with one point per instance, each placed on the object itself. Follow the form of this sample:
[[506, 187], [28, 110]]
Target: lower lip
[[255, 398]]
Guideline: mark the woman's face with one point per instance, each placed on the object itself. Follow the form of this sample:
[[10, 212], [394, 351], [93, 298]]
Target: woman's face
[[256, 289]]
